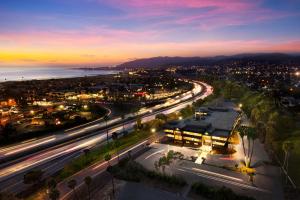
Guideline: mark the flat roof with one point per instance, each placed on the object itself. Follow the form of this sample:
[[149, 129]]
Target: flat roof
[[220, 133], [221, 119], [195, 128], [219, 122], [174, 124]]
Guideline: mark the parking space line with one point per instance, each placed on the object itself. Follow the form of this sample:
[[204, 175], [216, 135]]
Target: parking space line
[[226, 181], [154, 154]]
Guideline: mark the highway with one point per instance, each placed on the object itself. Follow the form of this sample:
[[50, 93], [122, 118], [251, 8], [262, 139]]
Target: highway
[[53, 159], [26, 147]]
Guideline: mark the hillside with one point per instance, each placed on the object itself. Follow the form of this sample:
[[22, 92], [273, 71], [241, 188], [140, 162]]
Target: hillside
[[270, 58]]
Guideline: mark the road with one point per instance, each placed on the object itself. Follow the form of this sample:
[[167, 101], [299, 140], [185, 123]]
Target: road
[[26, 147], [11, 175]]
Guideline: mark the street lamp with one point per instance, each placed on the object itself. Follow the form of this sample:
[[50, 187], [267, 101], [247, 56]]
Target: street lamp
[[32, 112], [153, 130], [240, 105], [180, 118], [85, 107]]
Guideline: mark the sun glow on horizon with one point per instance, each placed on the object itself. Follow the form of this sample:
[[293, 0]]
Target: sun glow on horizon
[[99, 32]]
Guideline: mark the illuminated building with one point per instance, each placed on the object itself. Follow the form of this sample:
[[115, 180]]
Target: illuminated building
[[210, 126]]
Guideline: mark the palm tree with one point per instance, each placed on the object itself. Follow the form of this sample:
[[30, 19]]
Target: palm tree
[[107, 158], [261, 129], [106, 119], [242, 134], [252, 136], [287, 147], [72, 185], [88, 182]]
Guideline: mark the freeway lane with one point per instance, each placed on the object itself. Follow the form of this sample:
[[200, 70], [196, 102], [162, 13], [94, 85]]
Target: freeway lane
[[13, 171], [30, 146]]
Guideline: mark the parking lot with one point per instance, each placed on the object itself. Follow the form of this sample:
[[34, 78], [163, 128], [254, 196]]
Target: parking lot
[[191, 171]]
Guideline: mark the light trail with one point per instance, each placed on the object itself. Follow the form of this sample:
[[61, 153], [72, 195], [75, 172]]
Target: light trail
[[45, 157]]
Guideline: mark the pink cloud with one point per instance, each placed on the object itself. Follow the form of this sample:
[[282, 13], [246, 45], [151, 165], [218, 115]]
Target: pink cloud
[[88, 37], [205, 14]]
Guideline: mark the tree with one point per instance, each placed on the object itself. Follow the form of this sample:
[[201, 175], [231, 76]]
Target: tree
[[7, 196], [167, 160], [116, 143], [261, 131], [106, 118], [162, 117], [107, 158], [271, 133], [88, 182], [54, 194], [72, 185], [250, 135], [114, 136], [139, 123], [242, 134], [33, 177], [51, 183], [123, 123], [86, 152], [287, 147], [9, 130]]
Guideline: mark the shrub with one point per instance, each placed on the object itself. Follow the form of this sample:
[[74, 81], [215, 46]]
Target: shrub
[[132, 171], [223, 193]]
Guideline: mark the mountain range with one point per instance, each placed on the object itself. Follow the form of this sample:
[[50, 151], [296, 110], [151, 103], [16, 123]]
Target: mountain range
[[263, 58]]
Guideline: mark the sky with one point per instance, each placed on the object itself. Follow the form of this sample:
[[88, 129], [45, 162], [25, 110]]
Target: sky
[[108, 32]]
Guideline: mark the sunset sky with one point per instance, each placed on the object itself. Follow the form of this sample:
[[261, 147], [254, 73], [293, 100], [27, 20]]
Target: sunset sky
[[107, 32]]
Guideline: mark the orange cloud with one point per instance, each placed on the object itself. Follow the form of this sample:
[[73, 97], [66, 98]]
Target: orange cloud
[[121, 51]]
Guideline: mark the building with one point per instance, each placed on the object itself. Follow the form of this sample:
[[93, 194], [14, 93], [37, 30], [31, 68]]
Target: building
[[211, 126]]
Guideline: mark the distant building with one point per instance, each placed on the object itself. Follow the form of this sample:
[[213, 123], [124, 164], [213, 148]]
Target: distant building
[[37, 121], [211, 126]]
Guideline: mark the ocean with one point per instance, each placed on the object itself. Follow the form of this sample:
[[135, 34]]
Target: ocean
[[19, 74]]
